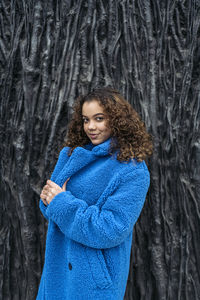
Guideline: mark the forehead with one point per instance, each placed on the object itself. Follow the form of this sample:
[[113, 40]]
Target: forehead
[[92, 107]]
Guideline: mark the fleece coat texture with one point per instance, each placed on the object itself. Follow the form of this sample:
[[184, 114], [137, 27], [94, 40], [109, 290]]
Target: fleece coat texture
[[90, 225]]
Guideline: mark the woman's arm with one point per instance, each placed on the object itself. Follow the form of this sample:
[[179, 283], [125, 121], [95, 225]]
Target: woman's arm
[[109, 225], [61, 160]]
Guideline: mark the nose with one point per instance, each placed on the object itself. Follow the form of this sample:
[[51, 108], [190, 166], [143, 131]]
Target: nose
[[91, 125]]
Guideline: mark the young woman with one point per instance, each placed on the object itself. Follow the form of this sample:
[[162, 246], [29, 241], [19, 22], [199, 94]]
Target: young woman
[[95, 196]]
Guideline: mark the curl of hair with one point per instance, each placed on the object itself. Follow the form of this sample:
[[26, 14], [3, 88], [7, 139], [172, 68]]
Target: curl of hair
[[129, 136]]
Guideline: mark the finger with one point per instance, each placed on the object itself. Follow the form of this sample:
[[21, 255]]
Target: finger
[[45, 202], [44, 191], [54, 191], [45, 187], [48, 199], [43, 198], [64, 185], [43, 194], [49, 194], [52, 184]]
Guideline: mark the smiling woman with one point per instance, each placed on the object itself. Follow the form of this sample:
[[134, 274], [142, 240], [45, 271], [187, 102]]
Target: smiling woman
[[95, 122], [92, 215], [129, 136]]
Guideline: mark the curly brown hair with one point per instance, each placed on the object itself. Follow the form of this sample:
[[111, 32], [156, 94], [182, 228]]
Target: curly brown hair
[[128, 133]]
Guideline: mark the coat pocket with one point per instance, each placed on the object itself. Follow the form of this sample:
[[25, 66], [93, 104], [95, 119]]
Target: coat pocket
[[98, 268]]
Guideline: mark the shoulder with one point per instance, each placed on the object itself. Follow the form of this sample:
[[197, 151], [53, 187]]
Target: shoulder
[[134, 171], [63, 154], [133, 166], [140, 167], [64, 151]]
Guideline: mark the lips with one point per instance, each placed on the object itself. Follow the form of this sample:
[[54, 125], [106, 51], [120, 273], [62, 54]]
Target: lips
[[93, 135]]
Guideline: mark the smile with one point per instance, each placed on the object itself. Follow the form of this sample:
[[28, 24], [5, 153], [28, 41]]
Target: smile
[[93, 135]]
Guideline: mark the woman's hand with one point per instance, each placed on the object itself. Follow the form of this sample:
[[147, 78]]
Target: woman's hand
[[50, 190]]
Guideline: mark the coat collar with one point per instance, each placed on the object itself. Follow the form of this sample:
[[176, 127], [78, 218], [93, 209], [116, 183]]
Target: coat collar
[[99, 150], [80, 158]]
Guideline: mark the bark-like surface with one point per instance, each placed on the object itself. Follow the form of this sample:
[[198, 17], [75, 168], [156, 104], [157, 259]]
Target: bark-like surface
[[50, 51]]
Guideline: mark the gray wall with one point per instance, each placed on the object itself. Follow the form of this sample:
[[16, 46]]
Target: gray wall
[[50, 51]]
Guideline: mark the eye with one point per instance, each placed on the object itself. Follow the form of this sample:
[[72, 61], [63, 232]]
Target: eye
[[99, 118]]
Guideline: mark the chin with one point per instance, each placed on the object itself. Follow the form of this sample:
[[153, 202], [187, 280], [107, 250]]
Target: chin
[[95, 142]]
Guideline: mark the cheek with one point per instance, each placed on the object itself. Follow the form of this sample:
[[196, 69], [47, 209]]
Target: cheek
[[84, 127], [106, 128]]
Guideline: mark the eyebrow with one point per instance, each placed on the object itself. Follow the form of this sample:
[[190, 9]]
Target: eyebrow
[[94, 115]]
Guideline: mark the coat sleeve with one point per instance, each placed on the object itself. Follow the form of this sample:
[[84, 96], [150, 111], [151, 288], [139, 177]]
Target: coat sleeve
[[106, 226], [58, 166]]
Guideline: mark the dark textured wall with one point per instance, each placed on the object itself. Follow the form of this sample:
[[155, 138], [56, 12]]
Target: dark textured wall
[[50, 51]]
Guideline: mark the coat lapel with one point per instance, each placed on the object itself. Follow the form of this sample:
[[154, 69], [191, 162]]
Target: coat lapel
[[80, 158]]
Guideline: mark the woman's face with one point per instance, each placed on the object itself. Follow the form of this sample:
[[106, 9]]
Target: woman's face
[[95, 122]]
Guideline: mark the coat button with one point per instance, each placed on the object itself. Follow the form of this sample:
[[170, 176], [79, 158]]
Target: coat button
[[70, 266]]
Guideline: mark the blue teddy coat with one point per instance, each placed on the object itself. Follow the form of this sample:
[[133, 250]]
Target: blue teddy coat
[[90, 225]]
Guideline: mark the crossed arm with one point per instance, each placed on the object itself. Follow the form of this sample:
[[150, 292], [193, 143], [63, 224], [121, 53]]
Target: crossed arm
[[50, 190]]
